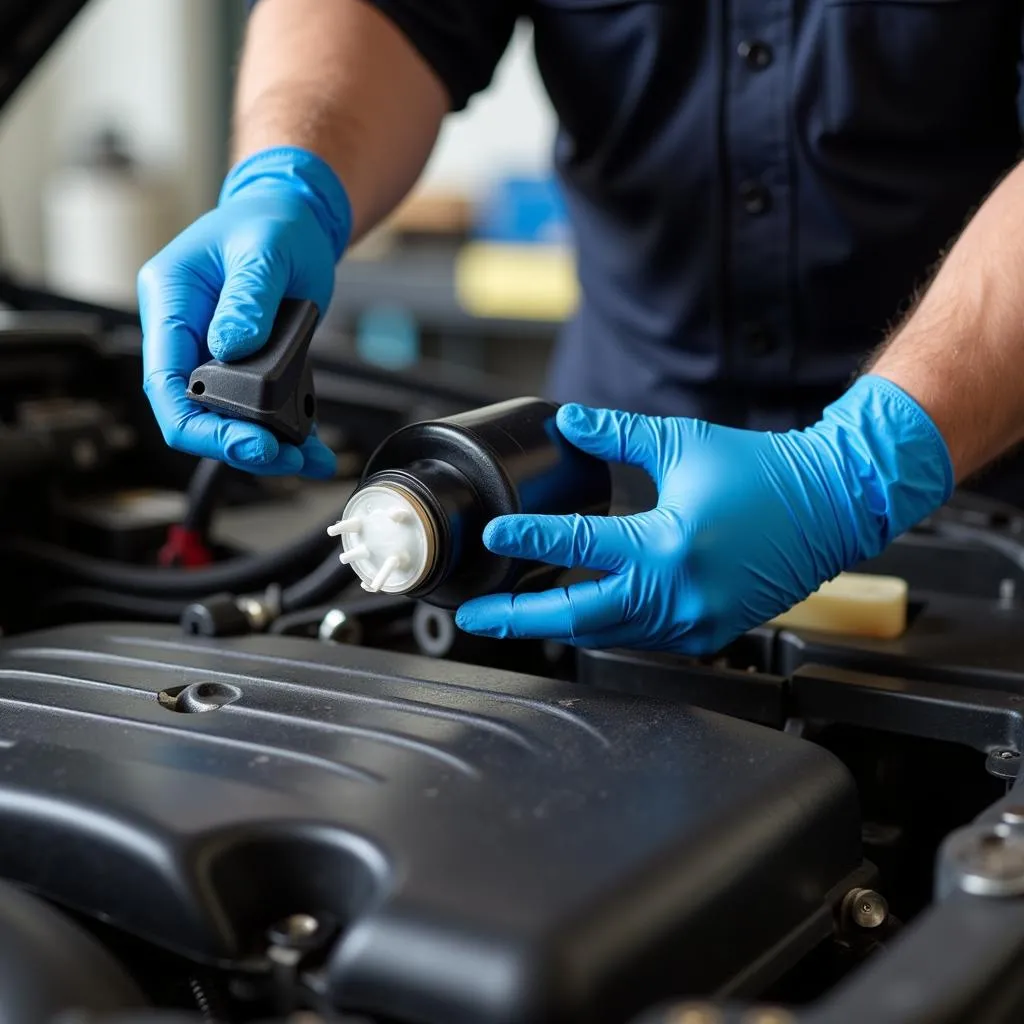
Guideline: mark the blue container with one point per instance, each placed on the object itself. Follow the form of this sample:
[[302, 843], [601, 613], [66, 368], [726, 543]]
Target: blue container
[[389, 337], [522, 210]]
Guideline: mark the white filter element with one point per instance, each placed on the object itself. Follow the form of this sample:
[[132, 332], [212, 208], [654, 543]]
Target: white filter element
[[387, 538]]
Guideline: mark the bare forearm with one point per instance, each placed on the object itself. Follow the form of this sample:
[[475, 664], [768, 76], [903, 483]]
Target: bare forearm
[[337, 78], [961, 354]]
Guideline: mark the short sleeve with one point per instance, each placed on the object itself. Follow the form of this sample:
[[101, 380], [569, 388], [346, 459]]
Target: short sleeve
[[461, 40]]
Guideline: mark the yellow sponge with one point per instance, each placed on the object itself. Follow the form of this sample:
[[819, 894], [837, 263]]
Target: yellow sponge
[[517, 282], [853, 604]]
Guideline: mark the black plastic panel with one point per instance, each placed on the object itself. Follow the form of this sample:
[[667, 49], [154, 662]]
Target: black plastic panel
[[746, 692], [957, 674], [494, 847], [970, 641]]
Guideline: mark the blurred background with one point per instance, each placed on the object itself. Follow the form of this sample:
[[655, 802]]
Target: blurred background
[[118, 141]]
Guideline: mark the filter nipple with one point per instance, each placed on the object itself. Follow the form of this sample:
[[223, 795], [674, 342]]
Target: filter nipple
[[387, 537]]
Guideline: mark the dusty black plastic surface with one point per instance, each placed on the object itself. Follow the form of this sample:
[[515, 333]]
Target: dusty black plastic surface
[[748, 692], [496, 847], [274, 386]]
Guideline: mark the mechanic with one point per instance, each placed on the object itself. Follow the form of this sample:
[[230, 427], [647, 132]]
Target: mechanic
[[755, 188]]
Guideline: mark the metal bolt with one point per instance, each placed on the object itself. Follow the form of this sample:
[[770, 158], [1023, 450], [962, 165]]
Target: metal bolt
[[260, 611], [294, 936], [1014, 815], [337, 628], [291, 939], [1007, 755], [987, 860], [866, 908], [301, 926]]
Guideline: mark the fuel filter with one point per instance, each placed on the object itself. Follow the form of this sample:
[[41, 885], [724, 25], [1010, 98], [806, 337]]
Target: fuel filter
[[414, 525]]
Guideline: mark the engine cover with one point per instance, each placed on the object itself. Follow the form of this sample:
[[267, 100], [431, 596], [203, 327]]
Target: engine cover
[[493, 847]]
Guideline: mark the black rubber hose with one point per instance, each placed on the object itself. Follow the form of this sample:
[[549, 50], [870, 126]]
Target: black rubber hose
[[323, 583], [88, 599], [326, 581], [373, 608], [120, 589], [238, 575], [203, 493]]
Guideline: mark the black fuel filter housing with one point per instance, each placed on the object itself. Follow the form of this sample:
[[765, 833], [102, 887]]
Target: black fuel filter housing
[[456, 475]]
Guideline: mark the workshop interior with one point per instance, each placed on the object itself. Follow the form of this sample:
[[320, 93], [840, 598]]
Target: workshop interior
[[243, 779]]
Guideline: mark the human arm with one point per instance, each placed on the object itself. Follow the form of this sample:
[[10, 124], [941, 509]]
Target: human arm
[[748, 524], [960, 353], [338, 79], [336, 114]]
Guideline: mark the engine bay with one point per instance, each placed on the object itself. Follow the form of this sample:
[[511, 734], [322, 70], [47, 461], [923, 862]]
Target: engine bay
[[236, 787]]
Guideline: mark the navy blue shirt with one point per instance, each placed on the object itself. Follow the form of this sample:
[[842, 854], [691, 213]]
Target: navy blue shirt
[[756, 186]]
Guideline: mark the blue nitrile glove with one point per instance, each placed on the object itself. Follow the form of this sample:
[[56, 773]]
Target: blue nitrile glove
[[747, 523], [281, 224]]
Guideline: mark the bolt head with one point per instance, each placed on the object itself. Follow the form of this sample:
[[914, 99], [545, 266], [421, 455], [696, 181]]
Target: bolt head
[[870, 910], [297, 932], [336, 627], [988, 860], [301, 926], [866, 908]]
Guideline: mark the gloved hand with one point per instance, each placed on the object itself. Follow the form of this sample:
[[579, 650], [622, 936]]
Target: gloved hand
[[747, 523], [281, 224]]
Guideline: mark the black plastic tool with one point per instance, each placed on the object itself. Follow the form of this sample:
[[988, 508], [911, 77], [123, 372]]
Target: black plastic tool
[[274, 386]]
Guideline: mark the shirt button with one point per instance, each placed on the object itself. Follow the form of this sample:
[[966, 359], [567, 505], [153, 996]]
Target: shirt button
[[759, 340], [756, 54], [756, 199]]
